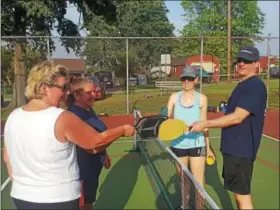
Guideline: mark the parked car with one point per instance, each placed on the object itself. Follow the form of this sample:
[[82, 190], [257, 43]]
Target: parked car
[[207, 77], [99, 88], [274, 72], [106, 78]]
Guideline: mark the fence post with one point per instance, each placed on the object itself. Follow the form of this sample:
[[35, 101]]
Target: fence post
[[201, 62], [134, 123], [127, 77], [268, 69], [48, 46]]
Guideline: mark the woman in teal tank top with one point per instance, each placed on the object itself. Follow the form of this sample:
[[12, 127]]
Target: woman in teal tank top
[[190, 106]]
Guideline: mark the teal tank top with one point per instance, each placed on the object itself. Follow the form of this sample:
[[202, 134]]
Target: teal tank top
[[189, 115]]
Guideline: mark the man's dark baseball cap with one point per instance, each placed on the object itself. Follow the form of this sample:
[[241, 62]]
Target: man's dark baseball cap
[[249, 54]]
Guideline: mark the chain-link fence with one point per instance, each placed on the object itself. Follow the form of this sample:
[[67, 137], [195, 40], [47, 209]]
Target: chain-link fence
[[143, 71]]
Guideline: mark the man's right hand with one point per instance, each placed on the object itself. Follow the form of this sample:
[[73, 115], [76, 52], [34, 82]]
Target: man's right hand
[[129, 130]]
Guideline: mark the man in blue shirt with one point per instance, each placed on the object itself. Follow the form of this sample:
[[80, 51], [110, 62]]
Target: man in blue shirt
[[242, 128]]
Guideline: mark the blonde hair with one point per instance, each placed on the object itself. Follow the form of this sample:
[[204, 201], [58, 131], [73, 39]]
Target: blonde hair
[[45, 72], [76, 85]]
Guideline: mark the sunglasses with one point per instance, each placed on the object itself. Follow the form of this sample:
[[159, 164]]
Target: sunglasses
[[187, 78], [239, 60], [64, 87]]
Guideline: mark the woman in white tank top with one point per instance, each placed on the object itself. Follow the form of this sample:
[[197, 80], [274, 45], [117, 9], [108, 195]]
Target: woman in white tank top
[[40, 141]]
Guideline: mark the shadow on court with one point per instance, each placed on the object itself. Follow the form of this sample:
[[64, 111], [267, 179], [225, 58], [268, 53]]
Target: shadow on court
[[164, 180], [172, 184], [213, 179], [173, 191], [116, 189]]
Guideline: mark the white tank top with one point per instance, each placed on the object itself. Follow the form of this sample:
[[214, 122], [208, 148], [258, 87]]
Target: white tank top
[[44, 170]]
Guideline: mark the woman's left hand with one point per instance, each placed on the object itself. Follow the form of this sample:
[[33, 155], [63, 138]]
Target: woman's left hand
[[210, 153], [107, 161]]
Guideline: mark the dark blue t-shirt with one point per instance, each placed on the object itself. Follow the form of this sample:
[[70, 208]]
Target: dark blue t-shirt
[[89, 163], [243, 140]]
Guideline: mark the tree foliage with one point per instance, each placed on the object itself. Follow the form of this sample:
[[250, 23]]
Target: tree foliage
[[209, 18], [134, 19], [41, 18], [30, 57]]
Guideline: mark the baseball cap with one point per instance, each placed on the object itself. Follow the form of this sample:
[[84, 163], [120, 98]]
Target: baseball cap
[[249, 53], [188, 71]]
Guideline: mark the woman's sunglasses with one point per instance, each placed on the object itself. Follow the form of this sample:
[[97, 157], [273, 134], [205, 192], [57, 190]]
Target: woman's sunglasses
[[186, 78], [64, 87]]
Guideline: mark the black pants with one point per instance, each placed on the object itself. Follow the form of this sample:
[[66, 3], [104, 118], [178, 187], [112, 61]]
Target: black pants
[[193, 152], [90, 168], [22, 205], [90, 185], [237, 174]]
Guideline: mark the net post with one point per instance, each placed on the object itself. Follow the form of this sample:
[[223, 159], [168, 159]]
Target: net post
[[182, 188]]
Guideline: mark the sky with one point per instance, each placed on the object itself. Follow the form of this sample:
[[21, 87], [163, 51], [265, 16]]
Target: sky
[[270, 8]]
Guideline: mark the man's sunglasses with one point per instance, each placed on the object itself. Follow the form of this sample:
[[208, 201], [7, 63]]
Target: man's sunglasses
[[187, 78], [239, 60], [64, 87]]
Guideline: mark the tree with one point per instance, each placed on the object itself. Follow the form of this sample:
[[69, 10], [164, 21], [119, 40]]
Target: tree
[[209, 18], [40, 18], [30, 57], [134, 19], [6, 66]]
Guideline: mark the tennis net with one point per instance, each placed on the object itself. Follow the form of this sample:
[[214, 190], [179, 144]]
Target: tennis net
[[173, 184]]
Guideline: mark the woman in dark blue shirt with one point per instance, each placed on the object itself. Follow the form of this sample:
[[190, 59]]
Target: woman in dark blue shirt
[[80, 102]]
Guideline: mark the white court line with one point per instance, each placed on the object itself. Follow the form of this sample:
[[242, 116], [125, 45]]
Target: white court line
[[214, 137], [5, 184], [272, 138]]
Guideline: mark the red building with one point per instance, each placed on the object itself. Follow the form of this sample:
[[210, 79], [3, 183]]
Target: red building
[[177, 65], [264, 62], [73, 65]]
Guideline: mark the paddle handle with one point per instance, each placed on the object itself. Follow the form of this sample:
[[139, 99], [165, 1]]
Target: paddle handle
[[187, 129]]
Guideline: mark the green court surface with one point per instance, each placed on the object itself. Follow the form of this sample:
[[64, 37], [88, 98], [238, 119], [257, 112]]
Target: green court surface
[[126, 184], [265, 184]]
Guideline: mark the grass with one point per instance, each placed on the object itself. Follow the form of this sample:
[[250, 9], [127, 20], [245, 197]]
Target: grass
[[116, 104], [151, 101]]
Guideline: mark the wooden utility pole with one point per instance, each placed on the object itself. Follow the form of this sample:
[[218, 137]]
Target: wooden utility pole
[[268, 68], [229, 40]]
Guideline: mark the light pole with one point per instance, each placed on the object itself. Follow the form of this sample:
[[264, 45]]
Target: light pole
[[229, 41]]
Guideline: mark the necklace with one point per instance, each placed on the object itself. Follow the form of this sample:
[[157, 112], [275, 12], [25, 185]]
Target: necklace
[[182, 105]]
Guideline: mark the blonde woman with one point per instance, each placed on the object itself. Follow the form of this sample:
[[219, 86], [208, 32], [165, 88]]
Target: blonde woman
[[40, 143]]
